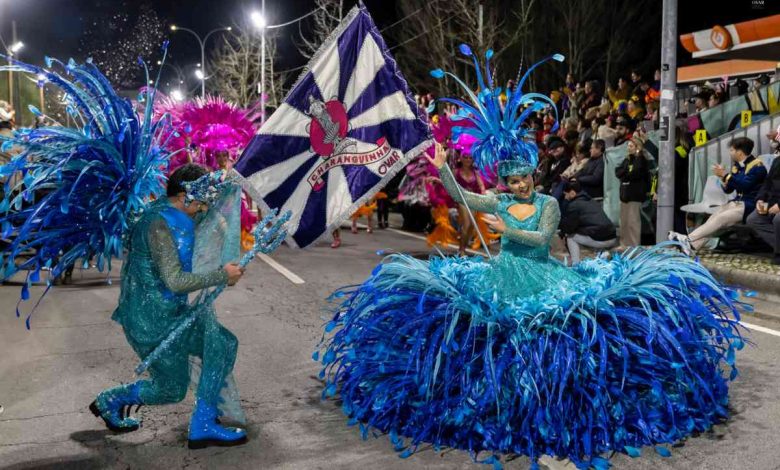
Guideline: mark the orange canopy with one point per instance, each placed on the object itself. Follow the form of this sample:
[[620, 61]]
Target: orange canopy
[[730, 68]]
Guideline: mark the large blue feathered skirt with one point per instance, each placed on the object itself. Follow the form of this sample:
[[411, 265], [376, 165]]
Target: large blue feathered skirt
[[622, 353]]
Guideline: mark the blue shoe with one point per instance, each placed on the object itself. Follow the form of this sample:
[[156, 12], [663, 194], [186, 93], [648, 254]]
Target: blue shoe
[[113, 406], [206, 432]]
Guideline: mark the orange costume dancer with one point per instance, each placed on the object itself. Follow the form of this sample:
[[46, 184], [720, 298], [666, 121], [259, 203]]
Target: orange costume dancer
[[444, 233], [367, 211]]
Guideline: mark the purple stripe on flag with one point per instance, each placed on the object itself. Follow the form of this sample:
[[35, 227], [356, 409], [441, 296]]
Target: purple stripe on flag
[[384, 84], [299, 96], [268, 150], [314, 218], [282, 193], [349, 45], [400, 133], [359, 180]]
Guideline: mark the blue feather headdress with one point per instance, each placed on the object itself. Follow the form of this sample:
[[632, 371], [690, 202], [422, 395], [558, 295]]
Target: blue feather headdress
[[79, 187], [502, 140], [208, 188]]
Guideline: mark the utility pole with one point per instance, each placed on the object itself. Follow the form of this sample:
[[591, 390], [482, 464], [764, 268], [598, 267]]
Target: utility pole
[[262, 67], [668, 113]]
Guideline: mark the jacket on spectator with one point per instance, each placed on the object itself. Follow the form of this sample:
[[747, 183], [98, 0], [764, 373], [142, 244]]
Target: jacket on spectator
[[770, 190], [634, 176], [557, 168], [591, 177], [617, 95], [746, 179], [585, 216], [574, 168]]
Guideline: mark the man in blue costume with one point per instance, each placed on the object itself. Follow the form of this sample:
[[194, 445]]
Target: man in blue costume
[[156, 278]]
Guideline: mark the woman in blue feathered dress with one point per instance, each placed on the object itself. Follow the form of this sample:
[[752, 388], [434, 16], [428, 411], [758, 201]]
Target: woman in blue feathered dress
[[521, 354]]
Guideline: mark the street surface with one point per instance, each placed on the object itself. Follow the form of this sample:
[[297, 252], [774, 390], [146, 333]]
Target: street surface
[[50, 374]]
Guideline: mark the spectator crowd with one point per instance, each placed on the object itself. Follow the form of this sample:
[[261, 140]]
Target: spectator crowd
[[572, 168]]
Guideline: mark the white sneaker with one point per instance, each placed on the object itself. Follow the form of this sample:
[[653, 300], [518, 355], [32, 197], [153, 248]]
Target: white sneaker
[[685, 245]]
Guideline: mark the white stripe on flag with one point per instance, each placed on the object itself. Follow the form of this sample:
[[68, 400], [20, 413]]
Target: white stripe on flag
[[369, 62], [390, 107], [297, 202], [339, 197], [287, 120], [268, 179], [326, 72]]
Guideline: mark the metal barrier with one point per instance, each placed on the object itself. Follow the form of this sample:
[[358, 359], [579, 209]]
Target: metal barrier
[[701, 159]]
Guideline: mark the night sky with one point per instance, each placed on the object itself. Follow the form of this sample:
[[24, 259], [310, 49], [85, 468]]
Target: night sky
[[55, 27]]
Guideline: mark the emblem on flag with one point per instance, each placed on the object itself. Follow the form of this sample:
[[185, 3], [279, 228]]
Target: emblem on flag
[[348, 125]]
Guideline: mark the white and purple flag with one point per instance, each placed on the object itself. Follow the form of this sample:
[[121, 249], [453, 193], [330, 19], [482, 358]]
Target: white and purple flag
[[345, 129]]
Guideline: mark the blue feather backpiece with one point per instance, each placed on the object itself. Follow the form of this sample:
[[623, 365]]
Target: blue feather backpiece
[[80, 187], [499, 131]]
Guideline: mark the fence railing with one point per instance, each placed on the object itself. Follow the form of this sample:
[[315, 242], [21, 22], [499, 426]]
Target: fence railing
[[701, 159]]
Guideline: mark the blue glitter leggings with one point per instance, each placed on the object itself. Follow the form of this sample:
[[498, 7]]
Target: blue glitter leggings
[[214, 344]]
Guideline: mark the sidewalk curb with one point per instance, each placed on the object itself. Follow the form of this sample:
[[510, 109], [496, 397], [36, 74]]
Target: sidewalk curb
[[767, 286]]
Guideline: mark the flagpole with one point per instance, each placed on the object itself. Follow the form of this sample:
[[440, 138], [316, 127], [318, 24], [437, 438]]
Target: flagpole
[[471, 214]]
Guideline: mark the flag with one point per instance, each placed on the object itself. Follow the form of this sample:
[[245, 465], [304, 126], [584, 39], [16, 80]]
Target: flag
[[348, 125]]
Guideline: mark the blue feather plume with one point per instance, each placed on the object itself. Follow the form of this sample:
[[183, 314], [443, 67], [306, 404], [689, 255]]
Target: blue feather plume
[[498, 129], [80, 187]]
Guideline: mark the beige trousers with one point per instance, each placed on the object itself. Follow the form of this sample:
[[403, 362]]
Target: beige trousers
[[630, 224], [727, 215]]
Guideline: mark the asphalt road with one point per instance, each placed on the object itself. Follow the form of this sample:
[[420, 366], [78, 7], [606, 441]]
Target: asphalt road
[[50, 374]]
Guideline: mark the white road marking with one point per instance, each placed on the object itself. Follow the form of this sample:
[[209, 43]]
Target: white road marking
[[762, 329], [420, 237], [281, 269]]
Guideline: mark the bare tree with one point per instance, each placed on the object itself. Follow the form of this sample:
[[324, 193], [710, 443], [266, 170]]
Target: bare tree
[[583, 21], [236, 64], [328, 16], [434, 29]]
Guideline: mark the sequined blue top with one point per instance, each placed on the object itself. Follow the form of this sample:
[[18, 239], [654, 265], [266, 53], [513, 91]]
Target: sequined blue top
[[524, 266], [157, 274]]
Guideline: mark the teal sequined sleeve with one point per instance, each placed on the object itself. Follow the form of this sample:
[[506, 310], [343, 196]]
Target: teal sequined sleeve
[[487, 203], [165, 257], [548, 224]]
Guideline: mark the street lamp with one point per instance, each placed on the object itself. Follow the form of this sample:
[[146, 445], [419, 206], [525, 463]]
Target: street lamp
[[199, 75], [177, 95], [258, 19], [202, 43], [15, 47]]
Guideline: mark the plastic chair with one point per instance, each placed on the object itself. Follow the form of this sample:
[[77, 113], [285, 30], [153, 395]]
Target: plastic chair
[[712, 198]]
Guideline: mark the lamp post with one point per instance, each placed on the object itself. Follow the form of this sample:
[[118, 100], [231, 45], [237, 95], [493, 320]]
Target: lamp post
[[202, 43], [259, 21]]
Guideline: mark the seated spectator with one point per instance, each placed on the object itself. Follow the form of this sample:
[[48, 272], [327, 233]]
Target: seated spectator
[[621, 94], [584, 222], [578, 162], [591, 97], [624, 129], [635, 108], [715, 99], [765, 219], [656, 85], [634, 176], [559, 161], [636, 80], [585, 130], [591, 177], [746, 178], [701, 100]]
